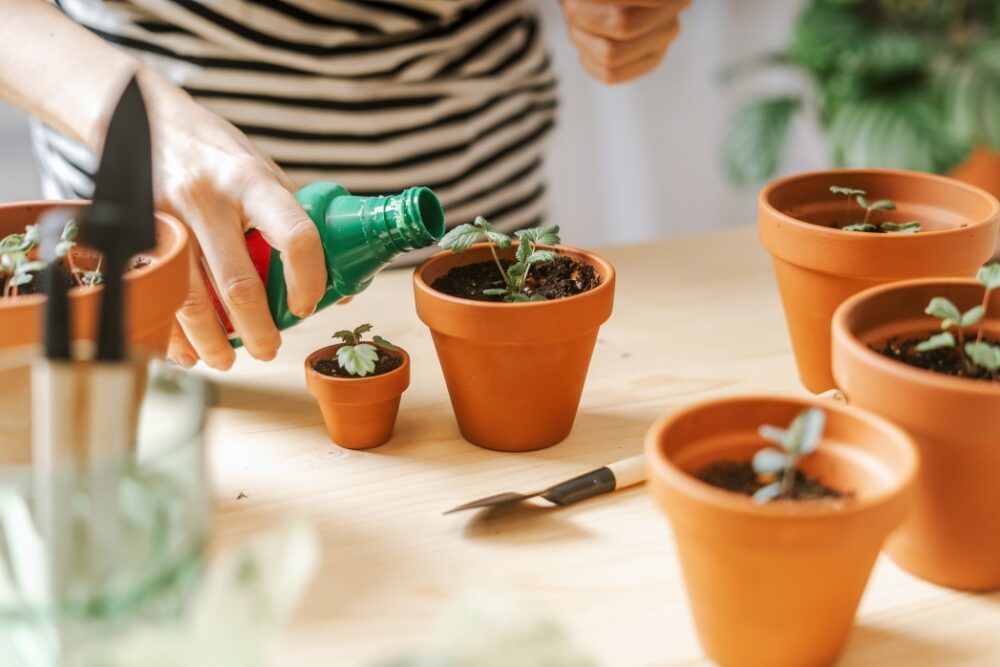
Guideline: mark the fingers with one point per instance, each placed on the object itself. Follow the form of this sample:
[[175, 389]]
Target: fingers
[[219, 229], [276, 213], [180, 351], [620, 21], [199, 332], [620, 40]]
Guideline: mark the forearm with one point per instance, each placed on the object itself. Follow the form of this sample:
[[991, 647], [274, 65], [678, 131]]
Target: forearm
[[57, 70]]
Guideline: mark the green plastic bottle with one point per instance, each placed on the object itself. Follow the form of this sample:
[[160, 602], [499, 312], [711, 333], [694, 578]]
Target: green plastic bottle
[[360, 236]]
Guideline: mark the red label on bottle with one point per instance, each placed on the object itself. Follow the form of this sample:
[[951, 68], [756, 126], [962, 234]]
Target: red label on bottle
[[260, 255]]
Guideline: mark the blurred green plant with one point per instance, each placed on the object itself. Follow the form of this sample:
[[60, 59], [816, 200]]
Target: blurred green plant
[[910, 84]]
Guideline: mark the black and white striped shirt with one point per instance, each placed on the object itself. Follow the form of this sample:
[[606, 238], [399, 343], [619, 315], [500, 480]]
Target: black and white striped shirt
[[379, 95]]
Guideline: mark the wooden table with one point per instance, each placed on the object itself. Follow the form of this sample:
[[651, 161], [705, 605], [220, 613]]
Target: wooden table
[[694, 319]]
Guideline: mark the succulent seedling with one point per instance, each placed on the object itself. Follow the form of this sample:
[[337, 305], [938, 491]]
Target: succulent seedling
[[528, 254], [799, 440], [975, 352], [18, 264], [859, 196], [356, 356]]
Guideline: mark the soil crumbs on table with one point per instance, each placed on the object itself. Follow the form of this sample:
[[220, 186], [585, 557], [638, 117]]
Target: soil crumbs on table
[[945, 360], [557, 279], [386, 362], [739, 477]]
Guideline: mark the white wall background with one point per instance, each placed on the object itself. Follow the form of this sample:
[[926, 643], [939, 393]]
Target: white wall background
[[630, 162]]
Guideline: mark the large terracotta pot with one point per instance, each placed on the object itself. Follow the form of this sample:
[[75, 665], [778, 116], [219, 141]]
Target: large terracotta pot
[[952, 537], [359, 413], [982, 169], [778, 584], [515, 371], [152, 293], [818, 267]]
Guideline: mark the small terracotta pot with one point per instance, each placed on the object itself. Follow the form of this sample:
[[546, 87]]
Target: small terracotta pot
[[359, 413], [515, 371], [152, 293], [952, 537], [818, 267], [778, 584]]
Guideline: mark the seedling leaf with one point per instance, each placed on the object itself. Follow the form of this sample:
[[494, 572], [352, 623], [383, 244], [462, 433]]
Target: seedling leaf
[[361, 330], [989, 276], [860, 227], [538, 297], [523, 251], [541, 256], [882, 205], [767, 493], [21, 279], [541, 235], [984, 354], [358, 359], [850, 192], [495, 291], [769, 461], [809, 427], [972, 316], [382, 342], [911, 227], [941, 340], [460, 238], [862, 202], [778, 436], [345, 335], [944, 309]]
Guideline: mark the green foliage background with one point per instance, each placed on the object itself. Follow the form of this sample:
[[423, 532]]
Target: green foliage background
[[911, 84]]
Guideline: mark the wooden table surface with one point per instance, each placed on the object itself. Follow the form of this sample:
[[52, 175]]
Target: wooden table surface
[[694, 319]]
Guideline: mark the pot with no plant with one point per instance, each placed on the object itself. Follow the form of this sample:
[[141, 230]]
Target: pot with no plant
[[832, 234], [926, 354], [514, 325], [358, 384], [778, 529]]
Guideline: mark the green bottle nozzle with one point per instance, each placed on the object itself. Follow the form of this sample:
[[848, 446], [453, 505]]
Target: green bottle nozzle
[[360, 237]]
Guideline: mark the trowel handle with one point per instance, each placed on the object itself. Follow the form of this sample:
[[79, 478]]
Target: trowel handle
[[614, 476]]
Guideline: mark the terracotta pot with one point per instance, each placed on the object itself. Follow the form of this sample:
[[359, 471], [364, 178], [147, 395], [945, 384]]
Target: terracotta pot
[[778, 584], [982, 169], [152, 293], [359, 413], [515, 371], [818, 267], [952, 537]]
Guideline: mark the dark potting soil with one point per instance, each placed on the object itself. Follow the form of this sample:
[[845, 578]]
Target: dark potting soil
[[946, 361], [739, 477], [138, 262], [386, 362], [557, 279]]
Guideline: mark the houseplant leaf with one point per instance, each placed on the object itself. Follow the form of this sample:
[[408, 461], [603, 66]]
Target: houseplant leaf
[[989, 276], [769, 461], [756, 137], [767, 493], [984, 354], [943, 308]]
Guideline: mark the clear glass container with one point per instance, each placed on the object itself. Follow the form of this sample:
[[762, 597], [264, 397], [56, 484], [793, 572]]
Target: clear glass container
[[127, 546]]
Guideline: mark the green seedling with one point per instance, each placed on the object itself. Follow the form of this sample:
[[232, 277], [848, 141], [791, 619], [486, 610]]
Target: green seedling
[[858, 196], [975, 352], [18, 262], [528, 254], [799, 440], [356, 356]]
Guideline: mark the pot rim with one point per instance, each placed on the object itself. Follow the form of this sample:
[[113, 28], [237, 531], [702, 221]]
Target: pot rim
[[422, 285], [370, 379], [672, 475], [842, 335], [830, 233], [180, 242]]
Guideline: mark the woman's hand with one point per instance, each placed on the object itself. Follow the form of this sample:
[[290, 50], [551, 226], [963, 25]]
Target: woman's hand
[[207, 174], [620, 40]]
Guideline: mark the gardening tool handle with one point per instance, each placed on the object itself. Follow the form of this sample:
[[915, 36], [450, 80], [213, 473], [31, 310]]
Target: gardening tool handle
[[605, 479]]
